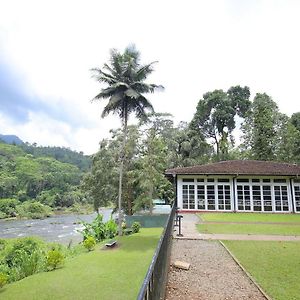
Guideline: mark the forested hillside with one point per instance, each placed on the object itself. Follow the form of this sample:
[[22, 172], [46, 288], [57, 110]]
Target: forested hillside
[[83, 162], [29, 181]]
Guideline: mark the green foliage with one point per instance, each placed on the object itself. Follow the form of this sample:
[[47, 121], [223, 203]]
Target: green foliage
[[111, 229], [8, 207], [55, 258], [24, 257], [3, 280], [215, 116], [89, 243], [136, 227], [27, 177], [33, 210], [260, 128], [99, 229], [61, 154]]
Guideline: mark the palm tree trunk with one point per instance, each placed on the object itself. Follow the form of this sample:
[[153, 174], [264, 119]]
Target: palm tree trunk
[[121, 172]]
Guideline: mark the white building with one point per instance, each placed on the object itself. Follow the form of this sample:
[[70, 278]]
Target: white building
[[238, 185]]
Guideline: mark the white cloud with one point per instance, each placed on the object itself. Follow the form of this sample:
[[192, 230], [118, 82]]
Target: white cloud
[[200, 45]]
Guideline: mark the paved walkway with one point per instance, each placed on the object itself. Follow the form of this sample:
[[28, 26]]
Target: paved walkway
[[190, 232]]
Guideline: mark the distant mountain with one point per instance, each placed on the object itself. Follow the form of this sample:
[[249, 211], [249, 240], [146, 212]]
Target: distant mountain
[[11, 139]]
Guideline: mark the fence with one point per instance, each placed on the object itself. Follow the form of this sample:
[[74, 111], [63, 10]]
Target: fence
[[154, 284]]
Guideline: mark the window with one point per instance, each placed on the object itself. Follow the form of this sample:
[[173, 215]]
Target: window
[[256, 196], [206, 194], [242, 180], [201, 196], [243, 197], [266, 180], [267, 198], [279, 180], [187, 180], [255, 180], [281, 198], [297, 197], [223, 180], [188, 196], [224, 202], [211, 197]]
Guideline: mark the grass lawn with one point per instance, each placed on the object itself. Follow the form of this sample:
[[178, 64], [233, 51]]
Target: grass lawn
[[250, 217], [270, 229], [274, 265], [100, 274]]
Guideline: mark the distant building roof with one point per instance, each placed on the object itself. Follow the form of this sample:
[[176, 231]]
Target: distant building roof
[[240, 167]]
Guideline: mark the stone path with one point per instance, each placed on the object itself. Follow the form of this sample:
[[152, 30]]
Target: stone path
[[189, 231], [213, 274]]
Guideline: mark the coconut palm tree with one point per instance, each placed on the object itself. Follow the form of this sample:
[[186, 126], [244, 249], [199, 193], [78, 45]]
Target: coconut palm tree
[[124, 79]]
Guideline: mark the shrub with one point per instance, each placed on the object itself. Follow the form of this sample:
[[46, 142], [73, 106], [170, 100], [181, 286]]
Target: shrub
[[24, 257], [111, 229], [8, 207], [3, 279], [136, 227], [89, 243], [34, 210], [55, 258]]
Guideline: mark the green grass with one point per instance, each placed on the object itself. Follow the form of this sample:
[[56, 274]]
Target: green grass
[[269, 229], [100, 274], [274, 265], [250, 217]]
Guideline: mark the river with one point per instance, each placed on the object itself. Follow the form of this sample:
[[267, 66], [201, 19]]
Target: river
[[59, 228]]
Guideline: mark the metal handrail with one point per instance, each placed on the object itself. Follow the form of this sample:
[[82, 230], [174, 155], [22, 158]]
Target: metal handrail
[[153, 287]]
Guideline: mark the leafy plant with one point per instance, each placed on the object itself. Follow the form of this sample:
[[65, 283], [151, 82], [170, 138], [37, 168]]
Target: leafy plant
[[3, 279], [111, 229], [34, 210], [136, 227], [55, 258], [24, 257], [89, 243]]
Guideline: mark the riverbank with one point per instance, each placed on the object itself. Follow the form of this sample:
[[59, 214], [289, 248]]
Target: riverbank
[[62, 228]]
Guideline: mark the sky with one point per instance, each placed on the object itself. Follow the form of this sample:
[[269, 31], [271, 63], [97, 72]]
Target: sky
[[48, 47]]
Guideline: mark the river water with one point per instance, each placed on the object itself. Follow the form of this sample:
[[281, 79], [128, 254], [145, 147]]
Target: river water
[[60, 228]]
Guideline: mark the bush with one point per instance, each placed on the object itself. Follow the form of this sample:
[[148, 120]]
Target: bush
[[34, 210], [111, 229], [8, 207], [99, 230], [89, 243], [136, 227], [24, 257], [55, 258], [3, 280]]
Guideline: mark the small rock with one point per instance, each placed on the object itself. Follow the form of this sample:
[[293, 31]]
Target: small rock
[[181, 265]]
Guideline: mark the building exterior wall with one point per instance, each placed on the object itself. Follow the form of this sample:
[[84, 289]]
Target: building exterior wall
[[238, 193]]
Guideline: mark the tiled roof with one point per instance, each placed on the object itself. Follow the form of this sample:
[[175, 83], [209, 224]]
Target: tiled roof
[[240, 167]]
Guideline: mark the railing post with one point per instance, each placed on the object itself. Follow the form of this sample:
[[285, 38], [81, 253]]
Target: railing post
[[179, 219]]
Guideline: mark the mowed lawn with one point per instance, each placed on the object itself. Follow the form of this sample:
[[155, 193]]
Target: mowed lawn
[[274, 265], [251, 217], [255, 227], [100, 274]]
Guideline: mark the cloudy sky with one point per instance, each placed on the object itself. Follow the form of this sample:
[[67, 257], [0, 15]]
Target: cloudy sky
[[47, 49]]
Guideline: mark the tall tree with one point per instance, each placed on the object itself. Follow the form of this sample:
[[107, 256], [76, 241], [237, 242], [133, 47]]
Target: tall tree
[[124, 79], [215, 116], [261, 128]]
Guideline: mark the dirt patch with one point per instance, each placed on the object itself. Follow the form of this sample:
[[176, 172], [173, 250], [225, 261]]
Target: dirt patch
[[213, 274]]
